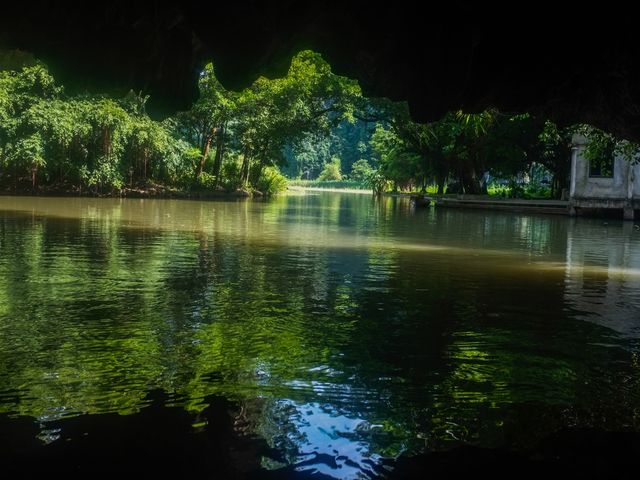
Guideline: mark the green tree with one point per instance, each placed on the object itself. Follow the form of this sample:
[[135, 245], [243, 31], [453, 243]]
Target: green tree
[[29, 153], [398, 162], [331, 170], [360, 170], [209, 117], [555, 154]]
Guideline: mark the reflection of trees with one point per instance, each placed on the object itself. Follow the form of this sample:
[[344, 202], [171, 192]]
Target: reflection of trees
[[326, 304], [141, 307], [58, 310], [482, 334]]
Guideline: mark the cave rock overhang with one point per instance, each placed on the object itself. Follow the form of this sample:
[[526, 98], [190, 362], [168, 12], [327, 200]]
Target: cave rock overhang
[[453, 55]]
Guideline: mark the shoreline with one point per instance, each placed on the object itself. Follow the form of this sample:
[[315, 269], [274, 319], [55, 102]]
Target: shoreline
[[152, 194], [163, 193], [298, 188]]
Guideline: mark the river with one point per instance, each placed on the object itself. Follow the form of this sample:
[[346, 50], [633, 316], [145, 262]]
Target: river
[[337, 330]]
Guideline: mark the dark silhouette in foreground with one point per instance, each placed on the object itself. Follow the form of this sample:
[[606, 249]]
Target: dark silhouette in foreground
[[162, 442]]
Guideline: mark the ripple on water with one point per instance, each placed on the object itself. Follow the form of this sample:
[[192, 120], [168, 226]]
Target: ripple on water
[[350, 331]]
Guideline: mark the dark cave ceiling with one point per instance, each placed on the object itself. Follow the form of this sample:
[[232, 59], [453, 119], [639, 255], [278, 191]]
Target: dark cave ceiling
[[574, 64]]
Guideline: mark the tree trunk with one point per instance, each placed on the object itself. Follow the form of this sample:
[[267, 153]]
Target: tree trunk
[[244, 170], [217, 161], [60, 170], [205, 152], [425, 172], [442, 171], [257, 172], [471, 183], [145, 158], [440, 180]]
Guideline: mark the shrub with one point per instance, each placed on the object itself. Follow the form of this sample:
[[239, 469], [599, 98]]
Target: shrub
[[231, 175], [377, 182], [271, 181], [104, 175], [331, 170], [206, 180], [360, 170]]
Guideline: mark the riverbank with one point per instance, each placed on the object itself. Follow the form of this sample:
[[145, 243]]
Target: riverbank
[[483, 202], [329, 184], [152, 191], [297, 188], [553, 207]]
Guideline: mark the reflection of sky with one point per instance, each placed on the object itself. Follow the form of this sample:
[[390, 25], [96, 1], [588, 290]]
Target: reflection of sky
[[416, 321], [321, 440]]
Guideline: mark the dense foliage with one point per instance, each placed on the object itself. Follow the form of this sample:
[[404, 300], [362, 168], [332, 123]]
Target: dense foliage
[[308, 125], [227, 140]]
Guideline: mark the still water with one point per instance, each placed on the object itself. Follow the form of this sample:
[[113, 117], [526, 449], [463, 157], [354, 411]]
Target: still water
[[343, 331]]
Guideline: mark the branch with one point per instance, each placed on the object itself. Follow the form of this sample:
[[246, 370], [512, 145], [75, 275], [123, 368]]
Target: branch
[[371, 118]]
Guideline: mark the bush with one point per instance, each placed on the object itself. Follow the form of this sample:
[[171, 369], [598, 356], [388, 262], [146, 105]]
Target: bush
[[537, 191], [231, 175], [180, 163], [207, 181], [360, 170], [271, 181], [331, 170], [104, 175], [339, 184], [377, 182]]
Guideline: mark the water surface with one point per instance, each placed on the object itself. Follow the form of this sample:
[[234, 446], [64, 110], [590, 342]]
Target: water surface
[[344, 331]]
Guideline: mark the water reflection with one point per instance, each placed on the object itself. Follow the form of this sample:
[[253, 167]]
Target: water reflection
[[349, 330], [603, 274], [318, 439]]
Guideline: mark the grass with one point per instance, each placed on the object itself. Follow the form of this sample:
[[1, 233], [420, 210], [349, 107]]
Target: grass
[[493, 190], [333, 184], [528, 192], [504, 191]]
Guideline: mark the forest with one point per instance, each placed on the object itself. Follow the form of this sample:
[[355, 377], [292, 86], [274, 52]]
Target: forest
[[309, 125]]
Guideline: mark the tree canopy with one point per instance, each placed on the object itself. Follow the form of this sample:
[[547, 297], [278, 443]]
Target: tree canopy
[[308, 124], [106, 144]]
